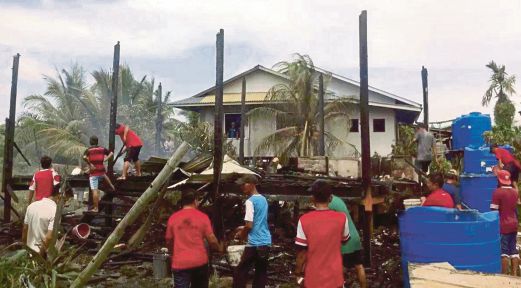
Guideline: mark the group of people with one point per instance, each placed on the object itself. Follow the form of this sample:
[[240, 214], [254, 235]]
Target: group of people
[[444, 192], [326, 240], [44, 189]]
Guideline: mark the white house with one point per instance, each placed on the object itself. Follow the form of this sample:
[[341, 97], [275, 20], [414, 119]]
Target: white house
[[385, 113]]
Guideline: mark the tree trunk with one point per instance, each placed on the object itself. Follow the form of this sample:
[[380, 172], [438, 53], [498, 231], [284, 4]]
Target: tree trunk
[[132, 215]]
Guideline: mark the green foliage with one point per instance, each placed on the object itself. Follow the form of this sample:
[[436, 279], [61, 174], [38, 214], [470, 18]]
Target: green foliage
[[60, 121], [41, 272], [405, 145], [296, 112], [442, 165], [504, 113]]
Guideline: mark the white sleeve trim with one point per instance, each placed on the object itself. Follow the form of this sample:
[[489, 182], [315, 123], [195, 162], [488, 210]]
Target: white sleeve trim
[[301, 236], [494, 206], [249, 211], [346, 234], [32, 187], [54, 177]]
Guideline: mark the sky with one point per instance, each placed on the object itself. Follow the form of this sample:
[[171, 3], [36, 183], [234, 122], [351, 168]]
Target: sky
[[174, 42]]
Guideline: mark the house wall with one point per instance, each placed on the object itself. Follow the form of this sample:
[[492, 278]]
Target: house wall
[[380, 141]]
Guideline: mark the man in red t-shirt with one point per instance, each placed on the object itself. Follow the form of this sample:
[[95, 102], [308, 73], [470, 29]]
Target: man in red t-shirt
[[95, 156], [186, 232], [508, 162], [133, 145], [320, 234], [504, 200], [437, 197], [43, 181]]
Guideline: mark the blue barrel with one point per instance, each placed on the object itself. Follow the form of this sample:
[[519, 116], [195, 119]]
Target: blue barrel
[[468, 240], [467, 130], [478, 161], [476, 190]]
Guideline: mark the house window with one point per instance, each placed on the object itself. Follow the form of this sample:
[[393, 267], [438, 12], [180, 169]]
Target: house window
[[354, 126], [232, 125], [378, 125]]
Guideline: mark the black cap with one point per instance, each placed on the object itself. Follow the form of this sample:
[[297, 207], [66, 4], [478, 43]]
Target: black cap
[[248, 178]]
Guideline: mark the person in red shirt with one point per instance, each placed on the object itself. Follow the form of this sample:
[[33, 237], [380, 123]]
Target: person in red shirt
[[437, 197], [320, 234], [95, 156], [186, 232], [133, 145], [507, 161], [43, 181], [504, 199]]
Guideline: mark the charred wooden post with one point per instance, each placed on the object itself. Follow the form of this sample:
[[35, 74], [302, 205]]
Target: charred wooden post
[[366, 144], [243, 119], [218, 133], [113, 108], [112, 128], [159, 119], [322, 141], [425, 86], [7, 174]]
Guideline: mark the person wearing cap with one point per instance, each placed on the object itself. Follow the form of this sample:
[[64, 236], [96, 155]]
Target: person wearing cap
[[507, 161], [504, 200], [186, 233], [438, 196], [320, 234], [352, 250], [257, 232], [425, 142], [451, 186]]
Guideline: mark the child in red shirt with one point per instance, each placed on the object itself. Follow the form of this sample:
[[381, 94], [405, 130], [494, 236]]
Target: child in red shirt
[[437, 197], [95, 156], [43, 181]]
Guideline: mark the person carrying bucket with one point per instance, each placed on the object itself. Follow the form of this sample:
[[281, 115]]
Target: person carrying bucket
[[504, 200], [507, 161], [186, 233]]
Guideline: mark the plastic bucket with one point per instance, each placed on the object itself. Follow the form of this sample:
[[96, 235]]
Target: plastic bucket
[[408, 203], [160, 265], [235, 254], [81, 231]]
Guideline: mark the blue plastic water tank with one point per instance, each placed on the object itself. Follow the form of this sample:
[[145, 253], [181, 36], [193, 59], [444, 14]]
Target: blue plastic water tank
[[467, 130], [468, 240], [478, 161], [476, 190]]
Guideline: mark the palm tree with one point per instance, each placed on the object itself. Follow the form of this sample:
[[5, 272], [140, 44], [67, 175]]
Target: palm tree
[[501, 87], [294, 105]]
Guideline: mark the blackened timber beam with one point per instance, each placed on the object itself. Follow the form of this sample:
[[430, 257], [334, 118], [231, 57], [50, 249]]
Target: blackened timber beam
[[365, 138], [112, 127], [322, 141], [425, 89], [218, 134], [113, 107], [243, 120], [7, 174], [159, 119]]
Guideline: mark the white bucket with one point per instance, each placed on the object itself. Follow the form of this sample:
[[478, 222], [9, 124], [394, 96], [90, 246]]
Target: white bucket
[[408, 203], [235, 254]]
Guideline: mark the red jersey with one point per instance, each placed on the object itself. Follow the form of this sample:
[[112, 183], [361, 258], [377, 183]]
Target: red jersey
[[505, 199], [43, 183], [506, 157], [188, 229], [132, 139], [96, 156], [439, 198], [322, 232]]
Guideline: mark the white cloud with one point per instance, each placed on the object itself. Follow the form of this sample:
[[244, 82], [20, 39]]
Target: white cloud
[[459, 37]]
